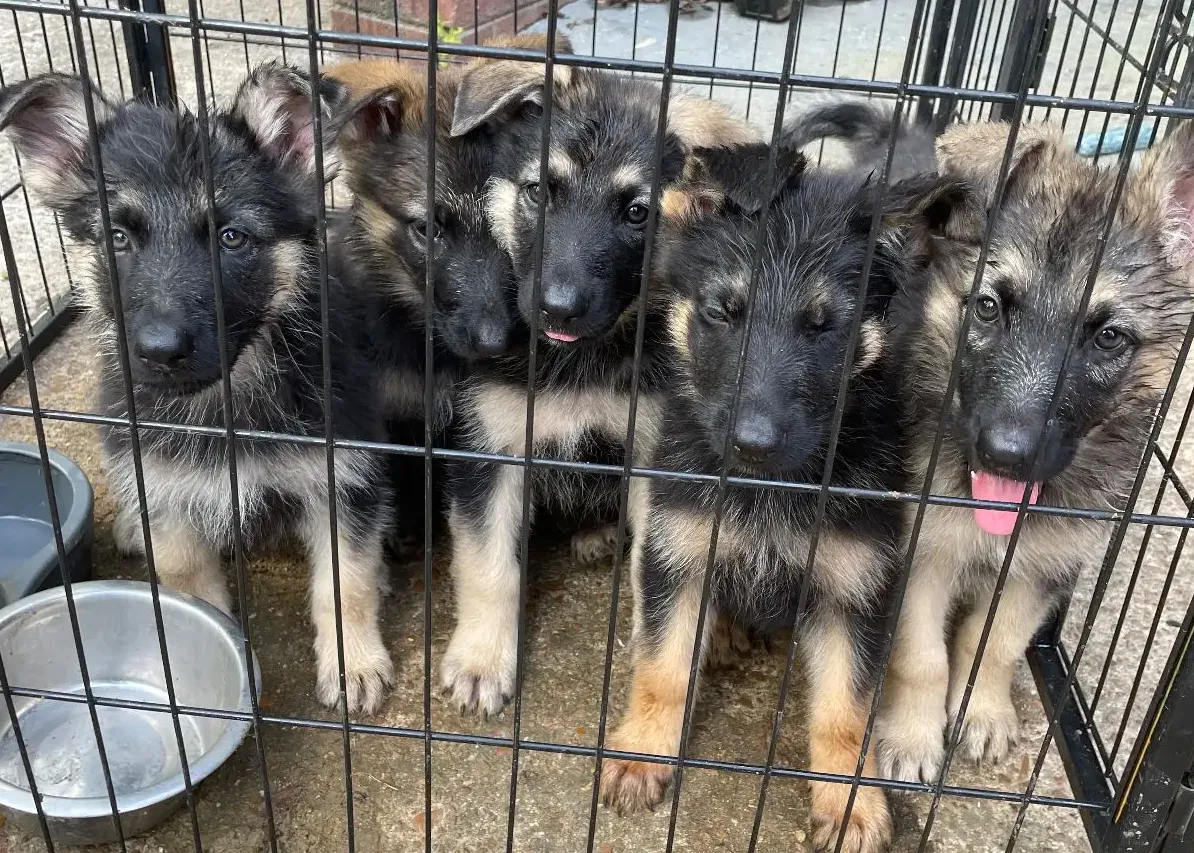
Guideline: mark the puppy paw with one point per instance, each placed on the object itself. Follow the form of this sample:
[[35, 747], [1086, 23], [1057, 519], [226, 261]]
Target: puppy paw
[[210, 587], [913, 750], [867, 831], [368, 672], [595, 544], [478, 675], [729, 643], [990, 730], [632, 786]]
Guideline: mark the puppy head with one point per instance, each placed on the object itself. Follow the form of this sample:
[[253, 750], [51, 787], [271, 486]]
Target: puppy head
[[384, 139], [262, 156], [596, 195], [809, 283], [1045, 237]]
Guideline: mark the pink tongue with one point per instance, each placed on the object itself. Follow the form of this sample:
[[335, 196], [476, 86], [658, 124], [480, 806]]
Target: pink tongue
[[561, 336], [988, 487]]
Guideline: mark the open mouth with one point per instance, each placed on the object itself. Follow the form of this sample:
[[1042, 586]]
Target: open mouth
[[989, 487]]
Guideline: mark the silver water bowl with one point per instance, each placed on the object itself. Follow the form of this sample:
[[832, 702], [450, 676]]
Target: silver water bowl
[[124, 662]]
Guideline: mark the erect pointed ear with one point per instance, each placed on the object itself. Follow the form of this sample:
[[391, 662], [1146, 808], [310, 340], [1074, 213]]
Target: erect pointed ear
[[380, 115], [492, 90], [274, 102], [739, 173], [1162, 191], [46, 119]]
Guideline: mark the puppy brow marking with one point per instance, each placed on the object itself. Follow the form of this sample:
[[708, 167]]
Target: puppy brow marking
[[628, 177], [501, 205]]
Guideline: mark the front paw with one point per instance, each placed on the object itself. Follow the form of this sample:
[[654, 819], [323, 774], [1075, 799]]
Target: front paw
[[478, 673], [990, 729], [632, 786], [595, 544], [911, 749], [368, 673], [869, 827]]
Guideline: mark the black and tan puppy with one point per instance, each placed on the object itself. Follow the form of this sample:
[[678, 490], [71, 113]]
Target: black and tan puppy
[[997, 446], [597, 194], [809, 290], [263, 160]]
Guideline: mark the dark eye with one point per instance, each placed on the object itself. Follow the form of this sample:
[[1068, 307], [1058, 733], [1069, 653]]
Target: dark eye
[[120, 241], [714, 313], [532, 191], [421, 231], [636, 214], [1110, 339], [986, 308], [231, 239], [815, 321]]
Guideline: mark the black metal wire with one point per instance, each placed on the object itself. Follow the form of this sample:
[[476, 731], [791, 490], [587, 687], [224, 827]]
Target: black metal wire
[[204, 30]]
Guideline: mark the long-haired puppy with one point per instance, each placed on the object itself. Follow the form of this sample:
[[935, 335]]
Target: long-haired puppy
[[596, 195], [809, 289], [999, 442], [263, 161]]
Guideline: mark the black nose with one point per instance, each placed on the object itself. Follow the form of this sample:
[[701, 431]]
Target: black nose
[[562, 301], [162, 343], [1008, 445], [492, 338], [755, 438]]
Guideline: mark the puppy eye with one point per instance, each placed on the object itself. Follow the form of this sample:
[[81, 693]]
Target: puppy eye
[[1110, 339], [120, 240], [231, 239], [986, 308], [636, 214], [532, 191], [421, 231], [815, 322], [715, 314]]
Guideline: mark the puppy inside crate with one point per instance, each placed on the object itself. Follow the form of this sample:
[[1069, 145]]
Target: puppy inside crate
[[263, 156], [998, 444], [596, 199]]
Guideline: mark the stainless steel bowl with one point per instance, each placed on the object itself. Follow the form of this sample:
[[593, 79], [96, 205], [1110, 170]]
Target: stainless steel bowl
[[124, 662]]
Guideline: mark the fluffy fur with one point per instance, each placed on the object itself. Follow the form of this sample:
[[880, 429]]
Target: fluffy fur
[[1044, 236], [809, 290], [600, 172], [262, 153]]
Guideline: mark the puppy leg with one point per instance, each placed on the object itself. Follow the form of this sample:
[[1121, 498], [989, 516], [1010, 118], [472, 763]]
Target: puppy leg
[[992, 725], [654, 718], [480, 665], [187, 562], [838, 713], [729, 642], [368, 670], [126, 531], [911, 725]]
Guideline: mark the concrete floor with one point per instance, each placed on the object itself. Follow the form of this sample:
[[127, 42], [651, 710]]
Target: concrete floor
[[569, 605]]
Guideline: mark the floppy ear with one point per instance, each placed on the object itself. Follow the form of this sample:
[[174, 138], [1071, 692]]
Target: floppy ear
[[930, 205], [973, 153], [1164, 186], [739, 173], [46, 119], [493, 90], [275, 104]]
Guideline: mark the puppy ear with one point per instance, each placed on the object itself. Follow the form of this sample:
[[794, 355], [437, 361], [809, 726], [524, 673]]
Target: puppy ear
[[974, 153], [275, 104], [739, 174], [380, 115], [46, 119], [491, 90], [925, 206], [1164, 188]]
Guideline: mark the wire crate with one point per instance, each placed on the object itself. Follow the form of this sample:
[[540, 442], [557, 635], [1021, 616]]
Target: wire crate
[[1108, 712]]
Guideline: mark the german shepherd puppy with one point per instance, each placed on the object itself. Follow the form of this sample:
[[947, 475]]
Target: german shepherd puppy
[[997, 444], [597, 196], [262, 153], [809, 290]]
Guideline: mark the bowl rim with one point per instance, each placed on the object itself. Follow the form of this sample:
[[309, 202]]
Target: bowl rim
[[82, 808], [77, 522]]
